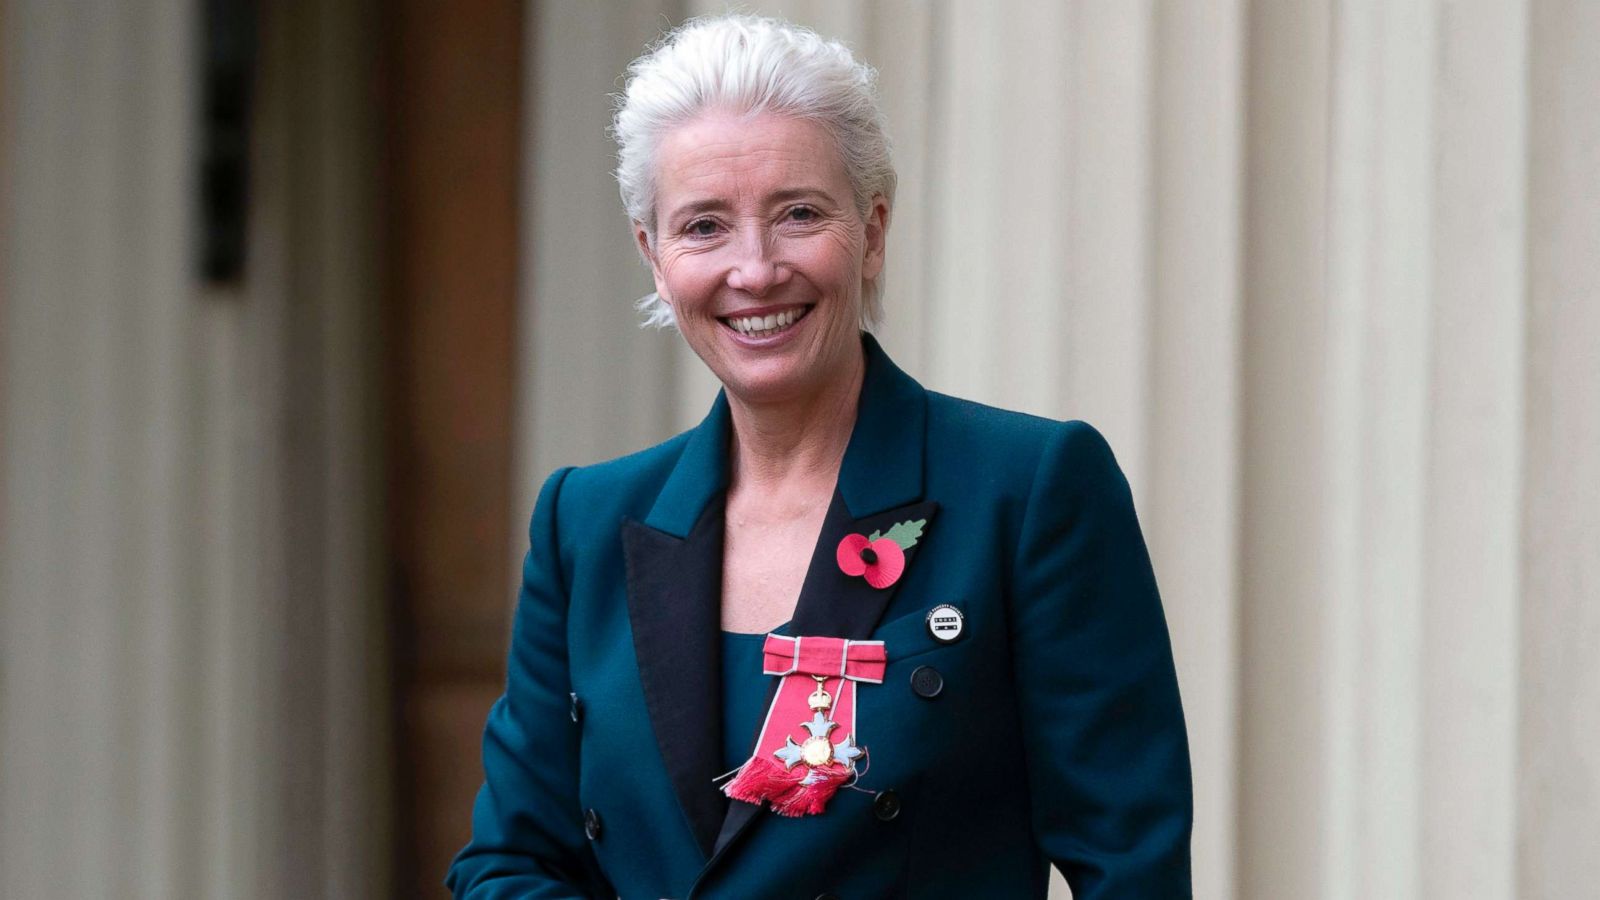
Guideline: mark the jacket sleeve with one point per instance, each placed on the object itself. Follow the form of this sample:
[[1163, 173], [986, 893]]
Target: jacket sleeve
[[527, 827], [1103, 730]]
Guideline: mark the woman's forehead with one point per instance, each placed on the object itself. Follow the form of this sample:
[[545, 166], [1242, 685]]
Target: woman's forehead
[[719, 156]]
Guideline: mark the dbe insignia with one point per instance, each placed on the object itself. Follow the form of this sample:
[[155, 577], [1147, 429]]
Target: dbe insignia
[[799, 777], [946, 623]]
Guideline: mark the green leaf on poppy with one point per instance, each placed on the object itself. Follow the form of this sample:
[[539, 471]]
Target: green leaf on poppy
[[905, 534]]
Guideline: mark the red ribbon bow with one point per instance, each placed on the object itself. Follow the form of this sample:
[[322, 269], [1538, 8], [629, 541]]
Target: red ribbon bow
[[855, 660]]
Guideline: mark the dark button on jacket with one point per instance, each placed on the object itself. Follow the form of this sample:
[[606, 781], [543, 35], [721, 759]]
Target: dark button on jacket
[[886, 805]]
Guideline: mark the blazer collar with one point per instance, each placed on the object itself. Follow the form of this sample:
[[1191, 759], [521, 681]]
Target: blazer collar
[[674, 577], [882, 466]]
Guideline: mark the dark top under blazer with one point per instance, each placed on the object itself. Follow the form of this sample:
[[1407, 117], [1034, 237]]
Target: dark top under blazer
[[1057, 737]]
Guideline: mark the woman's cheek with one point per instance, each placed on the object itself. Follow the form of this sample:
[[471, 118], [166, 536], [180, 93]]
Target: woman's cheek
[[690, 278]]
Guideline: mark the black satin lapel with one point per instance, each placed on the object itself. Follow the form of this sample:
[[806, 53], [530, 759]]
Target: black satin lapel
[[674, 600], [833, 604]]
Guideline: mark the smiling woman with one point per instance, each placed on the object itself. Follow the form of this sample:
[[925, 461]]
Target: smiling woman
[[759, 252], [946, 611]]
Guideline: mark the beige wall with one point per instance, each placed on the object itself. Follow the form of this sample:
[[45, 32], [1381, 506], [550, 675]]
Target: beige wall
[[193, 700], [1325, 274]]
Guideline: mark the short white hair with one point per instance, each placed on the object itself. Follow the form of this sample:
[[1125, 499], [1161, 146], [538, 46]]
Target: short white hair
[[749, 65]]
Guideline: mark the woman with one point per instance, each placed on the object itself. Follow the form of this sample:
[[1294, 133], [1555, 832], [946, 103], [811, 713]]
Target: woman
[[968, 675]]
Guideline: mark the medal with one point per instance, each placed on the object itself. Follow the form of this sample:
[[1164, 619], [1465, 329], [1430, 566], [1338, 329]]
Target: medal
[[807, 749]]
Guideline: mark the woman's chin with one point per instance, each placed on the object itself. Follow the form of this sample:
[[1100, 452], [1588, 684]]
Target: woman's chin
[[769, 381], [790, 366], [762, 370], [790, 378]]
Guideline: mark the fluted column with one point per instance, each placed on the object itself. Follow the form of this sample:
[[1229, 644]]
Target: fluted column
[[1558, 700], [1477, 357]]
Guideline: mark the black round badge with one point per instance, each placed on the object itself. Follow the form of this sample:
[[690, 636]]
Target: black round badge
[[946, 623]]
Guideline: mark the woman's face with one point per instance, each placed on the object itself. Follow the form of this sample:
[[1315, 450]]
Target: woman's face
[[761, 253]]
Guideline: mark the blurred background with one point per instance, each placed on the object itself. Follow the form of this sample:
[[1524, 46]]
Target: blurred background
[[301, 300]]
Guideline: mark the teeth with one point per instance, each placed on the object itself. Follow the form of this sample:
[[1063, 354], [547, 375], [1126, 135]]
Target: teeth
[[764, 326]]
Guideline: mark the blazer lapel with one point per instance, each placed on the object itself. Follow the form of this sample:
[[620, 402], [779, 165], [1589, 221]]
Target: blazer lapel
[[880, 483], [674, 576], [833, 604]]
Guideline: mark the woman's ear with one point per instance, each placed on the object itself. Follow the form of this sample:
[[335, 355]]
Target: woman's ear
[[641, 236], [877, 223]]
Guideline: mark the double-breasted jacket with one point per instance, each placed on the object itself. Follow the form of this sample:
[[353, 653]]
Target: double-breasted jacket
[[1050, 733]]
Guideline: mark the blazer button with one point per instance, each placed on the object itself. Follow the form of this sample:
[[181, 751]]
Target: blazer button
[[886, 805], [577, 709], [591, 825], [927, 682]]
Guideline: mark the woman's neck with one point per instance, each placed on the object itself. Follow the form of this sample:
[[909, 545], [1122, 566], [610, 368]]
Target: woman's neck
[[799, 441]]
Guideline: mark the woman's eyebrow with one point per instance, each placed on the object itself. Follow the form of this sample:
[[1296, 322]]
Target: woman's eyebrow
[[716, 204], [695, 207], [800, 193]]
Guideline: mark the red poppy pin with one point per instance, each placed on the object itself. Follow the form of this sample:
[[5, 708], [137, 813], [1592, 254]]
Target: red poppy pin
[[881, 556]]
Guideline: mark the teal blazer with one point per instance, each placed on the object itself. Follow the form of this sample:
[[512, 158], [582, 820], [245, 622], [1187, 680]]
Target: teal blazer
[[1050, 732]]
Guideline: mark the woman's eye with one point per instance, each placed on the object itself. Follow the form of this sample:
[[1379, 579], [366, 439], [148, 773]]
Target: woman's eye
[[802, 214], [701, 228]]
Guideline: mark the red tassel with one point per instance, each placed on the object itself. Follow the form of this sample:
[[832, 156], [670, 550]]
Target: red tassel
[[762, 779], [811, 799], [766, 779]]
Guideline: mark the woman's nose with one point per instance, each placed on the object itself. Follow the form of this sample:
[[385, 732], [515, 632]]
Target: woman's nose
[[757, 269]]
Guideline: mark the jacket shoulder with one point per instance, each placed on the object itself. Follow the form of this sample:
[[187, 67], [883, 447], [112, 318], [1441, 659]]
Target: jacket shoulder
[[957, 413], [1001, 433], [606, 492], [1009, 453]]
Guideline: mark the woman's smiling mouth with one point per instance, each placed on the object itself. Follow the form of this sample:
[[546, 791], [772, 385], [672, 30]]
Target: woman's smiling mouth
[[769, 325]]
